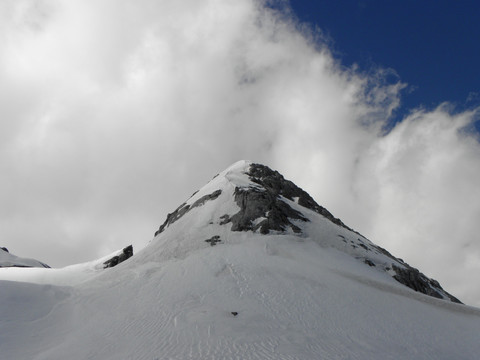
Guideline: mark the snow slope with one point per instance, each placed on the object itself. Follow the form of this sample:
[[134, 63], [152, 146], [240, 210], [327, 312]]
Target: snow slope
[[67, 276], [305, 295], [9, 260]]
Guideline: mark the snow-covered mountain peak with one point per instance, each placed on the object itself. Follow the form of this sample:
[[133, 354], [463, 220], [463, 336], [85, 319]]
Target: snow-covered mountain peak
[[249, 267], [248, 200], [260, 200]]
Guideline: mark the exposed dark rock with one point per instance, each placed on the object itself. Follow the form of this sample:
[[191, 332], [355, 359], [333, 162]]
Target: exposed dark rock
[[257, 204], [111, 262], [225, 219], [214, 240], [206, 198], [369, 262], [414, 279], [276, 184], [171, 218], [263, 208], [184, 208], [267, 201], [364, 246], [4, 249], [117, 259], [234, 313], [409, 276]]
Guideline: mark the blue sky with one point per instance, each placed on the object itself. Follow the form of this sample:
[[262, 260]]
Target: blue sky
[[432, 45]]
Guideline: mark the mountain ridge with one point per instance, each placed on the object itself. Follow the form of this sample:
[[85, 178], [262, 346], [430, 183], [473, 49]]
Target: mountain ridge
[[10, 260]]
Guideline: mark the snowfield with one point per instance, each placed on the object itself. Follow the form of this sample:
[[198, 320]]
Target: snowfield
[[250, 296]]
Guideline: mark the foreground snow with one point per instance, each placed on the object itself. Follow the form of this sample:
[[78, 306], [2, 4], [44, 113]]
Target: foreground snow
[[295, 297], [294, 300]]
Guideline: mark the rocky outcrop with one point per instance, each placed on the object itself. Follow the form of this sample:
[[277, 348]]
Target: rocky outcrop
[[214, 240], [411, 277], [414, 279], [4, 249], [263, 209], [117, 259], [276, 184]]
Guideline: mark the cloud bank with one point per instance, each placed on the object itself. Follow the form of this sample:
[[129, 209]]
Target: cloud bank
[[114, 112]]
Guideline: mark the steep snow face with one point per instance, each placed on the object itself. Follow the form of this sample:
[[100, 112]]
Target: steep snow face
[[10, 260], [250, 197]]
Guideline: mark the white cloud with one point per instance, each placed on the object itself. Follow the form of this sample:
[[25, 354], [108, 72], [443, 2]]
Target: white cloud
[[113, 112]]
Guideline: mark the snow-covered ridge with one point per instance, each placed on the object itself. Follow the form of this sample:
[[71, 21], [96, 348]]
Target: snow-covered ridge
[[9, 260]]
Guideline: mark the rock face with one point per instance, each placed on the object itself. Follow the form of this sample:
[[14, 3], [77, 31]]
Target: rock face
[[262, 211], [214, 240], [414, 279], [263, 208], [117, 259]]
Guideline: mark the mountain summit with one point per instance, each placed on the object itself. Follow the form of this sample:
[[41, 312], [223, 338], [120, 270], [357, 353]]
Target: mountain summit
[[249, 197]]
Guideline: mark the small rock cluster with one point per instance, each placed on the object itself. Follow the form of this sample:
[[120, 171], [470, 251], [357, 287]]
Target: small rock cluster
[[214, 240], [117, 259]]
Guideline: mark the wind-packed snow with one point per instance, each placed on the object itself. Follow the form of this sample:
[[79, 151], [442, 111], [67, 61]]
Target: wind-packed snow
[[296, 297]]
